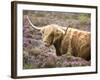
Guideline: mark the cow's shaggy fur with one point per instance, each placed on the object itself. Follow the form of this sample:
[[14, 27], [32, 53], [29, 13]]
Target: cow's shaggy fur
[[72, 41]]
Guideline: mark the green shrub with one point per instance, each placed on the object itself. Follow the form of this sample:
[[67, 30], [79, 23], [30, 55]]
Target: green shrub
[[83, 18]]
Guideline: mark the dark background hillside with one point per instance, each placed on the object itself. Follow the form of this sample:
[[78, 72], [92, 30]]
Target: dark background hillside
[[76, 20]]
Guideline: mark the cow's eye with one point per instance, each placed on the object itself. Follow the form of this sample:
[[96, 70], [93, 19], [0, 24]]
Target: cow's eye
[[43, 32]]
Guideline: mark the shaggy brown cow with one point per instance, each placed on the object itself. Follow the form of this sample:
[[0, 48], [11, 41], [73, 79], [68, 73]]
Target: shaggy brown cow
[[72, 40]]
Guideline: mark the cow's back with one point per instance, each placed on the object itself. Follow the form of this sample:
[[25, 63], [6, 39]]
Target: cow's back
[[77, 42]]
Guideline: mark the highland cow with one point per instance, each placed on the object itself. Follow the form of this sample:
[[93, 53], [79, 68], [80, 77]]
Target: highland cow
[[70, 40]]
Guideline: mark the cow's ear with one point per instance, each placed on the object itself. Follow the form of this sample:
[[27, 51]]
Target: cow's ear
[[63, 28]]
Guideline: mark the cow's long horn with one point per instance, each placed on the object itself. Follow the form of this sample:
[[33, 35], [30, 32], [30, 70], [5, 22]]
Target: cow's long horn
[[33, 24]]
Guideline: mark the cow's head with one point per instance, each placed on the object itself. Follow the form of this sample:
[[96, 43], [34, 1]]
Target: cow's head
[[50, 33]]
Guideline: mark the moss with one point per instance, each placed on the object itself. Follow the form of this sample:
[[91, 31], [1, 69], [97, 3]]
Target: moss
[[28, 66], [83, 18]]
